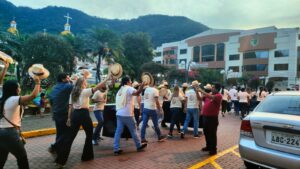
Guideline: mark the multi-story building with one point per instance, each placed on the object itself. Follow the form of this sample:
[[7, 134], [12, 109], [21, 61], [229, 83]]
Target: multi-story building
[[268, 53]]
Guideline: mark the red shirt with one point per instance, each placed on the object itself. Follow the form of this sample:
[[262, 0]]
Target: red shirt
[[212, 107]]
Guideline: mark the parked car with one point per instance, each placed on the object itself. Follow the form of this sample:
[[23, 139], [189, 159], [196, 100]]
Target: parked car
[[270, 135]]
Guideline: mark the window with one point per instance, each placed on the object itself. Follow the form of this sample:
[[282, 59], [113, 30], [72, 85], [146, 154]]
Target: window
[[234, 57], [172, 61], [196, 54], [281, 53], [256, 55], [220, 51], [280, 67], [234, 68], [208, 53], [299, 36], [183, 51], [280, 104], [158, 54], [298, 51], [258, 67], [169, 52]]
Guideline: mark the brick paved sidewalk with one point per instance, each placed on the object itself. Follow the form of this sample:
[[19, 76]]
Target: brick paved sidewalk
[[173, 153]]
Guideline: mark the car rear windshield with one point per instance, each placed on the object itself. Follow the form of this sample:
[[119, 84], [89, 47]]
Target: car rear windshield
[[280, 104]]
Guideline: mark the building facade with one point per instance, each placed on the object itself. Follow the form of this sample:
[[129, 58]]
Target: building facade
[[268, 53]]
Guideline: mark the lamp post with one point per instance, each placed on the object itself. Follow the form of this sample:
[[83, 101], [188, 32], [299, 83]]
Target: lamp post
[[103, 52], [225, 75]]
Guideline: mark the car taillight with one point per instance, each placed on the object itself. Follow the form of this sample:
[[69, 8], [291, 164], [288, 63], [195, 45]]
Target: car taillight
[[246, 129]]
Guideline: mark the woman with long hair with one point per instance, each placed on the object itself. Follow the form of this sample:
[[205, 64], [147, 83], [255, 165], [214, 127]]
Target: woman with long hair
[[11, 114], [175, 108], [79, 116]]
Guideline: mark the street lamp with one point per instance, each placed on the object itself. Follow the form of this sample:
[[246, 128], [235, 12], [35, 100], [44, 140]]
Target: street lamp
[[225, 75]]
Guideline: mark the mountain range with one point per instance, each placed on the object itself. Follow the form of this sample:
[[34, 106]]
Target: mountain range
[[161, 28]]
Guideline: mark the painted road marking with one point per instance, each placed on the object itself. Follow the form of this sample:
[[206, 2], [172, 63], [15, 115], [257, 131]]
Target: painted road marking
[[211, 160]]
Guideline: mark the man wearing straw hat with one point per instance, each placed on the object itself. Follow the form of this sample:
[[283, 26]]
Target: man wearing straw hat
[[191, 108]]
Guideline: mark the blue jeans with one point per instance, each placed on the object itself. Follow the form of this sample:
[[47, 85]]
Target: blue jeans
[[195, 114], [99, 116], [129, 122], [147, 113]]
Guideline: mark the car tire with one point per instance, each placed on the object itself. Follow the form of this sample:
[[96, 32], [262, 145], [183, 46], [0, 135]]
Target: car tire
[[251, 165]]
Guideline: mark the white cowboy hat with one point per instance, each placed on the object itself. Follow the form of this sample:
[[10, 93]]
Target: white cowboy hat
[[147, 79], [86, 73], [6, 58], [116, 70], [195, 83], [135, 84], [208, 86], [184, 85], [38, 70]]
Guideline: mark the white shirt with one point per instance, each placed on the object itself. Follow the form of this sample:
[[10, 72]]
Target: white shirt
[[149, 98], [100, 99], [191, 98], [262, 96], [233, 94], [128, 109], [176, 102], [11, 112], [225, 95], [84, 99], [243, 97]]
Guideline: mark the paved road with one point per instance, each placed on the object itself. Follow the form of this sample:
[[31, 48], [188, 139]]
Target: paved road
[[173, 153]]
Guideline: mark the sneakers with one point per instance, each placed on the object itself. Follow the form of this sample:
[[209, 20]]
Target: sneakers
[[196, 136], [182, 135], [100, 138], [144, 141], [170, 135], [95, 142], [142, 147], [59, 166], [162, 138], [116, 153]]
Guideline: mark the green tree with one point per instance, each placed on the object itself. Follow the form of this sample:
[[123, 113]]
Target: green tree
[[208, 76], [56, 54], [138, 50]]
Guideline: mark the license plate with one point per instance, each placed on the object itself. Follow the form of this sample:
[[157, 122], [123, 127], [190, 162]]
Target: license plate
[[286, 139]]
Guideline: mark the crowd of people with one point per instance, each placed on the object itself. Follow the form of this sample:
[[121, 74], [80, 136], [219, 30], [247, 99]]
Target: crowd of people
[[136, 103]]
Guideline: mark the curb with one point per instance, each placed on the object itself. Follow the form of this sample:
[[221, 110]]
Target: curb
[[44, 132]]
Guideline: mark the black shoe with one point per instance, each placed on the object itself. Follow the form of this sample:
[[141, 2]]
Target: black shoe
[[87, 159], [170, 135], [214, 152], [51, 149], [182, 135], [100, 138], [205, 149], [116, 153], [163, 125], [162, 138], [142, 147], [144, 141], [196, 136]]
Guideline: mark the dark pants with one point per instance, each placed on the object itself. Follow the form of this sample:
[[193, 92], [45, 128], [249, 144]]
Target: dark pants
[[10, 143], [137, 116], [80, 117], [224, 106], [175, 112], [99, 116], [236, 107], [244, 109], [61, 130], [210, 126]]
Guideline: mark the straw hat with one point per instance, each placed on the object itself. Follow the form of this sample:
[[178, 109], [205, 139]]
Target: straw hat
[[208, 86], [86, 73], [195, 83], [116, 70], [147, 78], [5, 57], [135, 84], [39, 71], [184, 85]]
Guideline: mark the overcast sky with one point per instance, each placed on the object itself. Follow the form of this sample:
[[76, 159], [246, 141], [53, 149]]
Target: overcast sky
[[228, 14]]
